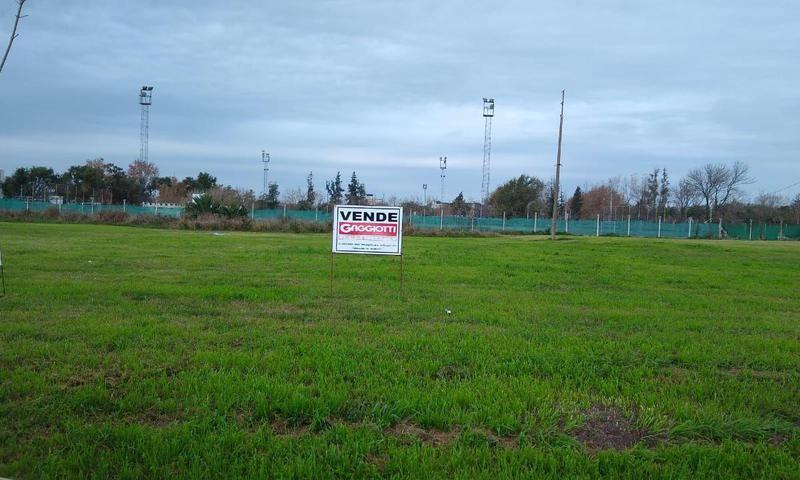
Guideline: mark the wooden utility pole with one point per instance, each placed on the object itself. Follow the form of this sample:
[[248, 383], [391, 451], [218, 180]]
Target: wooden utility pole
[[13, 32], [557, 185]]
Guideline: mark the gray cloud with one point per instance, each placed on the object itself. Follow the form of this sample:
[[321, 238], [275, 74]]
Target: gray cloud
[[385, 87]]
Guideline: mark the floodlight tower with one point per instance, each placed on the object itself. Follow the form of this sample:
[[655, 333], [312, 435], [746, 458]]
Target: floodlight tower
[[442, 167], [265, 161], [488, 113], [145, 100]]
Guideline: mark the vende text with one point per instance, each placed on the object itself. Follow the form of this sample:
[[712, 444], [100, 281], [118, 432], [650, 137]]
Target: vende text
[[368, 216]]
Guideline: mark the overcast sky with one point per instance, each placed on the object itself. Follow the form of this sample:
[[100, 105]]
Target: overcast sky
[[386, 87]]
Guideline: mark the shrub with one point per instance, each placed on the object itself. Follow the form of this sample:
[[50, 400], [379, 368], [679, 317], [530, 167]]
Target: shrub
[[51, 213], [115, 217]]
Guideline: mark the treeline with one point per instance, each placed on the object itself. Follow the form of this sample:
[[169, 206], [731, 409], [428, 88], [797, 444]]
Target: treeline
[[101, 182], [98, 181], [707, 193]]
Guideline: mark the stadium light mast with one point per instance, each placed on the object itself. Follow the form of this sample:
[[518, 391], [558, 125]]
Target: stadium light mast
[[265, 161], [488, 114], [556, 187], [145, 100]]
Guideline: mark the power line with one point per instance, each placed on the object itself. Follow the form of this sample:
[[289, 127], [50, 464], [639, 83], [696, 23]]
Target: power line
[[785, 188]]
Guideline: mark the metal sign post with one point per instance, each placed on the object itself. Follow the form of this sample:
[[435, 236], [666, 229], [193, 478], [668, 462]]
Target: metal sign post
[[2, 274], [367, 230]]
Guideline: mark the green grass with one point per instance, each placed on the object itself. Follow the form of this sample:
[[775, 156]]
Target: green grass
[[139, 353]]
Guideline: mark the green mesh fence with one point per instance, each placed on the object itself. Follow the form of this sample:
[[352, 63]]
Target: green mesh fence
[[622, 228], [305, 215]]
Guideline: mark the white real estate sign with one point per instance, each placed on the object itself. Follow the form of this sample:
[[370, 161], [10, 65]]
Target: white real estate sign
[[368, 230]]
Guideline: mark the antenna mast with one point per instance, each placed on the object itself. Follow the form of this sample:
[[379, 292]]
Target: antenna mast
[[145, 100], [442, 167], [265, 161]]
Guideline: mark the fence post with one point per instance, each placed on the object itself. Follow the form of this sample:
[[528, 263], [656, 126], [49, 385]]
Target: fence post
[[751, 230], [566, 220], [659, 226], [472, 228], [441, 218], [690, 228], [124, 205], [504, 221], [316, 213], [535, 218], [284, 211], [59, 207], [156, 208], [629, 225], [598, 225], [719, 229], [93, 206], [27, 204], [780, 235]]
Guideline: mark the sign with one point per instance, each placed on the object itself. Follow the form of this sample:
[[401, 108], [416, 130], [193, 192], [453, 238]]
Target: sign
[[368, 230]]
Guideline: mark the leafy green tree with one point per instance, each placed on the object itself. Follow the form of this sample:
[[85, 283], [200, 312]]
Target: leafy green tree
[[190, 182], [34, 181], [271, 200], [576, 203], [651, 192], [335, 190], [87, 180], [308, 202], [356, 191], [549, 198], [514, 196], [458, 206], [663, 192], [205, 181]]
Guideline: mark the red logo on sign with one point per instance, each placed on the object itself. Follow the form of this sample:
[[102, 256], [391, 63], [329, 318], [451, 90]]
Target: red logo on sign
[[380, 229]]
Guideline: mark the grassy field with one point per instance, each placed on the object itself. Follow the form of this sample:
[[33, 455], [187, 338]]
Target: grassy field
[[143, 353]]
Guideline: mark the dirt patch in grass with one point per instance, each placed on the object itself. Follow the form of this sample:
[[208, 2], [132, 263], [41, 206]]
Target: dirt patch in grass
[[430, 436], [380, 461], [607, 428], [674, 374], [742, 372], [284, 428], [495, 440], [779, 438], [154, 418]]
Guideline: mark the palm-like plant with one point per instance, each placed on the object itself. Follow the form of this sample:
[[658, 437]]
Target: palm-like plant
[[202, 204], [233, 211]]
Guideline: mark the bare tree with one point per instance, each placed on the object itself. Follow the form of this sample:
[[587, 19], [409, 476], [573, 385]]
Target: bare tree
[[717, 184], [685, 196], [14, 33], [796, 207], [293, 196]]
